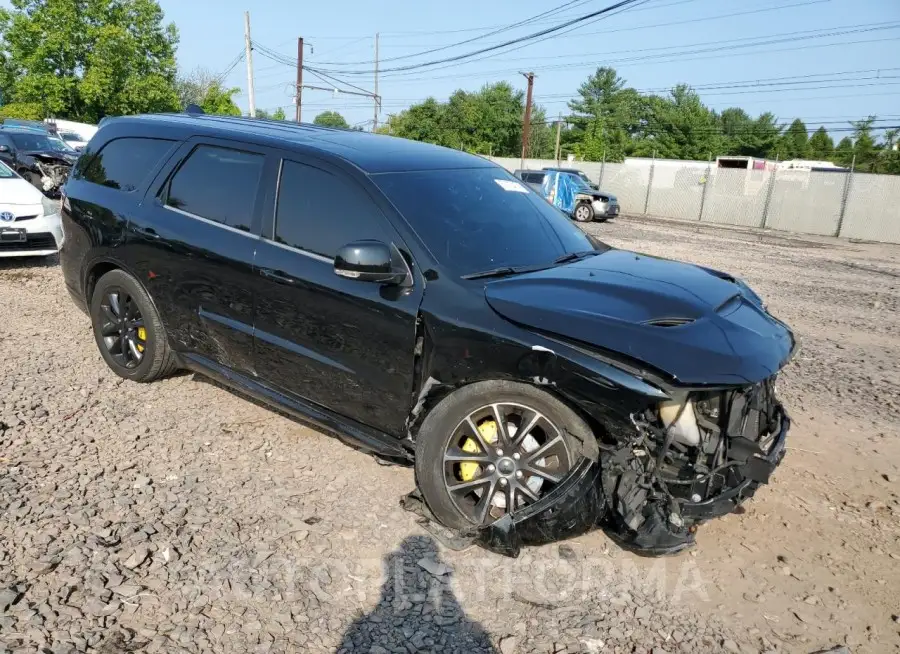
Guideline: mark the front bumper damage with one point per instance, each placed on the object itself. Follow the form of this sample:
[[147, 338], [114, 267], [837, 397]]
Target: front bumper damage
[[636, 504]]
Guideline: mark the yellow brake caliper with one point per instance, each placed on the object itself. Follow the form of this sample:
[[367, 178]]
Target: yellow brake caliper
[[142, 334], [469, 469]]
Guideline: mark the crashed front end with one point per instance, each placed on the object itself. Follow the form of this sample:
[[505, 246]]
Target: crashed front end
[[674, 366], [655, 482], [53, 171]]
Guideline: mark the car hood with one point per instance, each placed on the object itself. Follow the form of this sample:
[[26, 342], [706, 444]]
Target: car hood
[[52, 156], [695, 324], [15, 191]]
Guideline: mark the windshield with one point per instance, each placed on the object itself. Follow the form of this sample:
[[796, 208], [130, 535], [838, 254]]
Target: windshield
[[61, 146], [25, 141], [584, 178], [5, 171], [481, 218], [70, 137]]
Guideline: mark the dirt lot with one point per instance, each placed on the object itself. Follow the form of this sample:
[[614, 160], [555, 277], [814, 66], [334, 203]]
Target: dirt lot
[[181, 517]]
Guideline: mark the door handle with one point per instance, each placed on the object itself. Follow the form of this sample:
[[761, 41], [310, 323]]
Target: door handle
[[277, 276], [148, 232]]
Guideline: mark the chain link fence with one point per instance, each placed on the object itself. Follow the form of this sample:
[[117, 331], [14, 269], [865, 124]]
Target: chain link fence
[[843, 203]]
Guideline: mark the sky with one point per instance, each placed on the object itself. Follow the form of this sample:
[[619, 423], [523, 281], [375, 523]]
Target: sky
[[851, 72]]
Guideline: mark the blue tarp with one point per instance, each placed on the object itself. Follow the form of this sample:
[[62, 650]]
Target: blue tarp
[[560, 189]]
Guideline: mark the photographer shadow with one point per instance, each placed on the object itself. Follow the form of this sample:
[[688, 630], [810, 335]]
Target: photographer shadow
[[416, 607]]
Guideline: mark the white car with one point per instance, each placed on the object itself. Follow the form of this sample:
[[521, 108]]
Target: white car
[[29, 222]]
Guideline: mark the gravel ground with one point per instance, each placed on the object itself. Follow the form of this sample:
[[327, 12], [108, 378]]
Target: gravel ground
[[179, 516]]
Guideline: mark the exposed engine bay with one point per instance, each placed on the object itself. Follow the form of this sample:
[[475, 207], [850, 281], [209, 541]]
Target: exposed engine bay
[[691, 460], [53, 173]]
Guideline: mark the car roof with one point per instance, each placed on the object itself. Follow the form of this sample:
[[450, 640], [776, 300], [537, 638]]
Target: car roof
[[372, 153], [563, 170]]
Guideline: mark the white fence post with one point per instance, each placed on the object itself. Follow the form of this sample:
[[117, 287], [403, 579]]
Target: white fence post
[[765, 216], [650, 183], [847, 183], [705, 185]]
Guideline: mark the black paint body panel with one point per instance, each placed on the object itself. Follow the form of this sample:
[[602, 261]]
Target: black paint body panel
[[355, 356]]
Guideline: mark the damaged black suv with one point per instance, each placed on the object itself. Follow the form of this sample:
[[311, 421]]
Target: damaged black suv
[[425, 305]]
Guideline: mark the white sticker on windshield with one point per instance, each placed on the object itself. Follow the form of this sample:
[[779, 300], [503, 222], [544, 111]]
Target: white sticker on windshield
[[509, 185]]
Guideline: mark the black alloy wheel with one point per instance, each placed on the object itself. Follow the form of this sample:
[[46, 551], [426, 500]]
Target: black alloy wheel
[[128, 329], [502, 457], [123, 330]]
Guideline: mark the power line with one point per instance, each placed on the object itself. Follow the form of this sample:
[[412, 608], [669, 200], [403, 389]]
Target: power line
[[662, 58], [505, 28], [619, 5], [777, 7]]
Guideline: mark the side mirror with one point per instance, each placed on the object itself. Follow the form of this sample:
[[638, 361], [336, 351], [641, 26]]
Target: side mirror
[[4, 148], [370, 261]]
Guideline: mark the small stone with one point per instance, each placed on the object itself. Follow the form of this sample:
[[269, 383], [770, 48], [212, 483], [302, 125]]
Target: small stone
[[260, 557], [168, 554], [508, 644], [138, 556], [812, 599], [140, 482], [126, 590], [616, 633], [896, 618], [434, 567], [875, 505], [8, 597], [642, 612], [731, 646]]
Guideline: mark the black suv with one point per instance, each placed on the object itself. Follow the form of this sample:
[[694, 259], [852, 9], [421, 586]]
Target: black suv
[[424, 304]]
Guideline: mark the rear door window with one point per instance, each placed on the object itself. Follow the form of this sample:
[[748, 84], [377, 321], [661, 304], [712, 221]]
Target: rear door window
[[123, 164], [320, 211], [219, 184]]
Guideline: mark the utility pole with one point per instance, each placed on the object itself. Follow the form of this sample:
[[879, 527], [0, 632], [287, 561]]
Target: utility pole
[[248, 51], [526, 127], [377, 99], [299, 76], [558, 130]]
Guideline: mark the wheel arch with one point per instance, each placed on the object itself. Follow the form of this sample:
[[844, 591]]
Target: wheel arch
[[436, 392], [97, 268]]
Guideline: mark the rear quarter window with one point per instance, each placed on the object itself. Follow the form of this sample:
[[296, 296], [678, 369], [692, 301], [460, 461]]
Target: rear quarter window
[[124, 163]]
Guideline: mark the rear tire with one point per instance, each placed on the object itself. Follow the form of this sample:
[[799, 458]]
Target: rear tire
[[157, 359], [584, 213], [438, 430]]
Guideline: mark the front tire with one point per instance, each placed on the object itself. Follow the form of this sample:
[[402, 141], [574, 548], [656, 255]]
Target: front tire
[[128, 331], [493, 447], [584, 213]]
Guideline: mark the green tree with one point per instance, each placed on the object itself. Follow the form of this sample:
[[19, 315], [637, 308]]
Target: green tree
[[794, 143], [682, 127], [864, 146], [821, 146], [890, 156], [605, 116], [192, 87], [86, 59], [843, 153], [331, 119], [488, 121], [278, 114], [218, 101], [746, 136]]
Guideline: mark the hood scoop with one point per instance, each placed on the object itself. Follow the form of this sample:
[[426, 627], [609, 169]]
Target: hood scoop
[[669, 322], [683, 320]]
